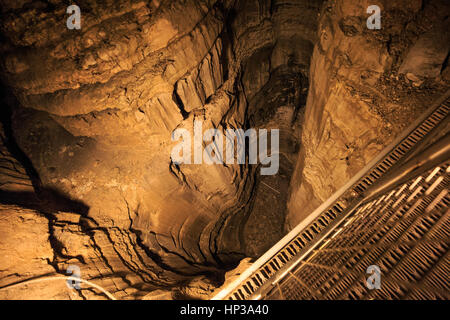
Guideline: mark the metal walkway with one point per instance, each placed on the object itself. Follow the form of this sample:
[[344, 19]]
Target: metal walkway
[[393, 214]]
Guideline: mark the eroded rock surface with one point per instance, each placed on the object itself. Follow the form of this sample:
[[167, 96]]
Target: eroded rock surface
[[94, 109], [91, 112], [360, 95]]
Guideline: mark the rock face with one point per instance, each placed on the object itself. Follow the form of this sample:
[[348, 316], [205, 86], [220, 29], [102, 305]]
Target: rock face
[[93, 111], [360, 96], [90, 113]]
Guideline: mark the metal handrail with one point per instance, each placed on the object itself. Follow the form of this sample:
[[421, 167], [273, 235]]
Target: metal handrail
[[358, 184]]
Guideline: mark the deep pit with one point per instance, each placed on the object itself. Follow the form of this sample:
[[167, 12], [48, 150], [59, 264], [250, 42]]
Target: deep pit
[[86, 176]]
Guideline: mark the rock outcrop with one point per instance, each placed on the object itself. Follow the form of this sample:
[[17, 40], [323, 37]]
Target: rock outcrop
[[361, 94], [93, 111]]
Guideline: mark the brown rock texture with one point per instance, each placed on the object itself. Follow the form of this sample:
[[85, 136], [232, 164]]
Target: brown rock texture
[[92, 111], [360, 95], [86, 176]]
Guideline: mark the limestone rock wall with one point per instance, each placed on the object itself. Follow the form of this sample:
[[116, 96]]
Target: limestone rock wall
[[365, 87], [92, 111]]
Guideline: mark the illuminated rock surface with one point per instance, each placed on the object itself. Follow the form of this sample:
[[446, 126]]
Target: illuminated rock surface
[[88, 116]]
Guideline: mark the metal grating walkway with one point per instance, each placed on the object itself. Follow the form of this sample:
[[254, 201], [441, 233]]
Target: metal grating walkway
[[405, 232]]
